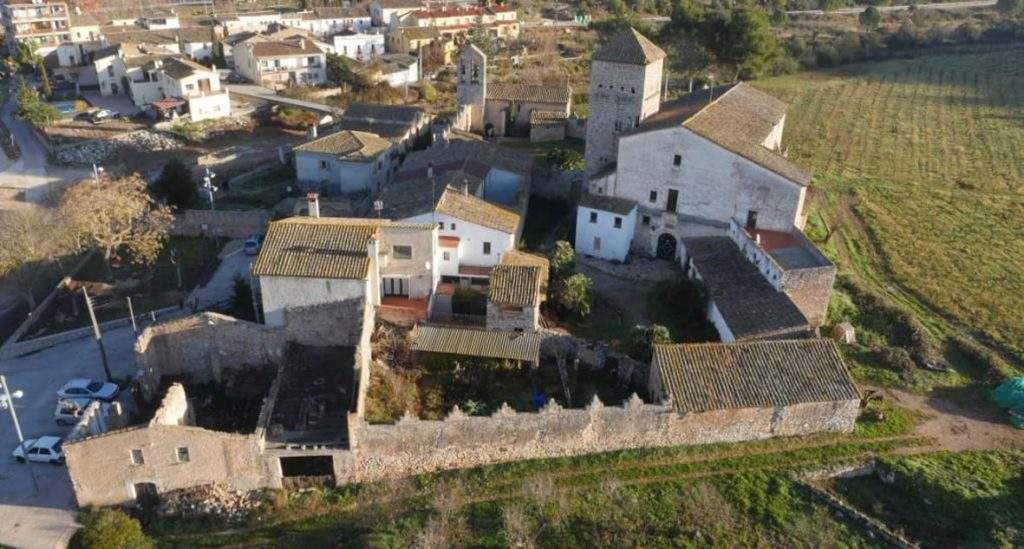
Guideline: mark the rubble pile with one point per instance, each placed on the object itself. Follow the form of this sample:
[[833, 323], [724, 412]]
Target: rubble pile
[[210, 500], [98, 151]]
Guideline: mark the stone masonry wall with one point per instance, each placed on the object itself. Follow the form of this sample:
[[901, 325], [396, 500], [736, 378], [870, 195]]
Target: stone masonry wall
[[201, 347], [220, 223], [810, 290], [414, 446], [512, 318]]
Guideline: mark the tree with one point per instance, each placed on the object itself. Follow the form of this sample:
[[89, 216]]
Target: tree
[[565, 159], [573, 294], [339, 68], [427, 91], [25, 53], [176, 185], [643, 339], [1010, 7], [241, 298], [745, 41], [31, 237], [111, 215], [33, 110], [562, 260], [44, 78], [107, 527], [870, 18]]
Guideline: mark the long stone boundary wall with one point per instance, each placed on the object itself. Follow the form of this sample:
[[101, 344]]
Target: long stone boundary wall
[[413, 446], [231, 224]]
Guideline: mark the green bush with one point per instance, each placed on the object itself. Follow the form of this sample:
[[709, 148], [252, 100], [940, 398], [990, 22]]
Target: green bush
[[643, 339], [573, 294], [565, 159], [176, 185], [107, 528], [427, 91]]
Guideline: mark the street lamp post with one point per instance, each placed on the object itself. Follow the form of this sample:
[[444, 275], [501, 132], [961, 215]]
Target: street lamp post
[[208, 185], [8, 402], [97, 171]]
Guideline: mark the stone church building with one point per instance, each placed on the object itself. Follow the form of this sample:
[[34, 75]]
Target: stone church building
[[503, 109], [707, 165]]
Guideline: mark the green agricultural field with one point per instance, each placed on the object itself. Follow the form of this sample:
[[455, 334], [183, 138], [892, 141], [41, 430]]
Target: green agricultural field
[[919, 174]]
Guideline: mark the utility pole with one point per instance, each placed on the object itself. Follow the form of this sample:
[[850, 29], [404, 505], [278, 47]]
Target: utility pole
[[97, 335], [131, 313], [8, 402]]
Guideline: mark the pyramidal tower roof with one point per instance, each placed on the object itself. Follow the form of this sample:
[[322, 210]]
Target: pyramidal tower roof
[[631, 48]]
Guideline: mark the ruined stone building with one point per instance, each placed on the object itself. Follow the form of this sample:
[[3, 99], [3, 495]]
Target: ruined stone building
[[503, 109]]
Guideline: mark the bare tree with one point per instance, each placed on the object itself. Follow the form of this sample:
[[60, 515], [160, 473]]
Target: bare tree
[[32, 237], [110, 215]]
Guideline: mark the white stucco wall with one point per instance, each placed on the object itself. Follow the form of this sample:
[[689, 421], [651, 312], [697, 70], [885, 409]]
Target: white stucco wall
[[341, 176], [209, 106], [614, 241], [471, 239], [361, 47], [280, 293], [713, 183]]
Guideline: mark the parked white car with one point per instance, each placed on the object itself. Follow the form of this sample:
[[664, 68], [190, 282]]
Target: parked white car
[[88, 388], [43, 449], [69, 410]]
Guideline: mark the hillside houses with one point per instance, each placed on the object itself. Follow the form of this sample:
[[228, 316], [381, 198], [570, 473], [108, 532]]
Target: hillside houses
[[281, 62]]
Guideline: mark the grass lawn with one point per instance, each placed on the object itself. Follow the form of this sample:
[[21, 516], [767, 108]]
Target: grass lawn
[[919, 174], [970, 499], [258, 193], [605, 323]]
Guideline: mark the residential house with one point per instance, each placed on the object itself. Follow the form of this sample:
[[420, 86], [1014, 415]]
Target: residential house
[[518, 285], [278, 63], [326, 21], [195, 42], [225, 47], [387, 13], [401, 125], [185, 87], [42, 22], [411, 39], [396, 69], [118, 65], [312, 262], [344, 162], [358, 45], [605, 226], [457, 20], [255, 21]]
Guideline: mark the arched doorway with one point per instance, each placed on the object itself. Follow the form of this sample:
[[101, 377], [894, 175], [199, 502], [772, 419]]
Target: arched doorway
[[666, 247]]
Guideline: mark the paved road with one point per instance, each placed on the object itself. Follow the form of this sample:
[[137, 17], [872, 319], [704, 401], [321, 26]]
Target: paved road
[[47, 519], [939, 6], [265, 94], [30, 173], [219, 288]]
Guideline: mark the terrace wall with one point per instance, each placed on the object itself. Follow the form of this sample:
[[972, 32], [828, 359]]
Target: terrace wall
[[220, 223]]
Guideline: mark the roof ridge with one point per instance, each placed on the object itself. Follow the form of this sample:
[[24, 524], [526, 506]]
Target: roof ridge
[[711, 103]]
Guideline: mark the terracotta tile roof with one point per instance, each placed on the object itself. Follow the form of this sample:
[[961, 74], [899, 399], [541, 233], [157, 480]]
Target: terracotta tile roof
[[316, 248], [448, 241], [737, 117], [605, 203], [751, 307], [548, 117], [477, 210], [537, 93], [515, 285], [516, 257], [350, 145], [396, 4], [335, 12], [760, 374], [464, 153], [179, 68], [629, 47], [482, 343], [284, 48], [395, 114], [420, 33]]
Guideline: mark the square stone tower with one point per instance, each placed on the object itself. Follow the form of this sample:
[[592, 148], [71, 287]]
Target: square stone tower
[[471, 88], [625, 88]]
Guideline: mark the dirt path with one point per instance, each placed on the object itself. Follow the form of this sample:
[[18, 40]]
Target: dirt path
[[958, 426]]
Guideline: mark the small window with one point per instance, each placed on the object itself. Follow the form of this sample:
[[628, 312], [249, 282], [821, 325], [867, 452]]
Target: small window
[[593, 217], [324, 165], [402, 252], [618, 222], [447, 256], [440, 225], [677, 160], [182, 454], [137, 457], [487, 248], [632, 90], [452, 226], [597, 243], [653, 196], [647, 220]]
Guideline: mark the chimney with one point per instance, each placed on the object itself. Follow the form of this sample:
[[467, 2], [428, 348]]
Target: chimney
[[757, 238], [430, 170], [313, 131], [302, 43], [465, 187], [314, 204]]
